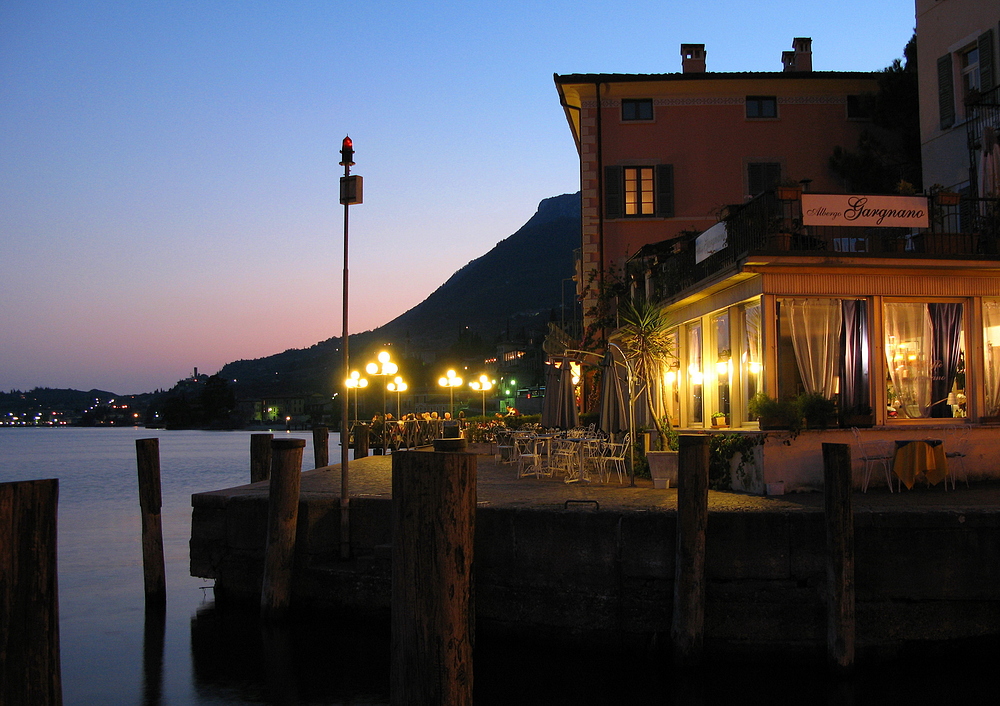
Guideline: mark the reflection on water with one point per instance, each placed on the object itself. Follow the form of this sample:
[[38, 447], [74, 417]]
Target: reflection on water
[[199, 652], [313, 659]]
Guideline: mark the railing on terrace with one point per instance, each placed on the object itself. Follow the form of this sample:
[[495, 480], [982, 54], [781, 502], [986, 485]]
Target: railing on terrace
[[767, 225], [981, 114]]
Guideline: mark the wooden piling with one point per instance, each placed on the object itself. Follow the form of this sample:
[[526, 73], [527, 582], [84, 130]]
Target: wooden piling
[[433, 615], [260, 457], [687, 630], [360, 434], [29, 598], [282, 518], [147, 453], [840, 625], [321, 447]]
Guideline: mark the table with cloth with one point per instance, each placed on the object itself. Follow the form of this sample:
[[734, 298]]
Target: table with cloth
[[916, 457]]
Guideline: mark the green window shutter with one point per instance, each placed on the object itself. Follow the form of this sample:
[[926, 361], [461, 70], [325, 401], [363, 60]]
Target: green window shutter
[[613, 192], [987, 78], [665, 190], [946, 92]]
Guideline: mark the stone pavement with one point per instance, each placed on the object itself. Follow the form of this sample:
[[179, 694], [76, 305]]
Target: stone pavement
[[499, 486]]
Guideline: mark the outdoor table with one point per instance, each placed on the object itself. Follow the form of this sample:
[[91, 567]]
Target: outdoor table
[[914, 457]]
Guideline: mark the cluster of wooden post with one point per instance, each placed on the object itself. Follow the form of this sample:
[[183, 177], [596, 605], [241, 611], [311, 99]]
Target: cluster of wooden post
[[29, 599], [688, 624]]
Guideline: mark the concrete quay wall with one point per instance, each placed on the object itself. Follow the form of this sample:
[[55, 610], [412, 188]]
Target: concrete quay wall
[[580, 569]]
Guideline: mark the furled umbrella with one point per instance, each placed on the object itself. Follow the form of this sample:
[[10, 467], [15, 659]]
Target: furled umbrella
[[613, 417], [567, 416], [550, 404]]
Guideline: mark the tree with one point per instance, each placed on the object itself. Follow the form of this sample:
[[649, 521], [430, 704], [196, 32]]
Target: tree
[[887, 156], [645, 341]]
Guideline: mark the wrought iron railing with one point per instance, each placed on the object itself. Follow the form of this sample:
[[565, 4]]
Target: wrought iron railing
[[769, 226], [982, 114]]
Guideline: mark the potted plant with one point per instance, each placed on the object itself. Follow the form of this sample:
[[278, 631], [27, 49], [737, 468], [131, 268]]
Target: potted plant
[[788, 190], [720, 419], [772, 413], [643, 338], [818, 411]]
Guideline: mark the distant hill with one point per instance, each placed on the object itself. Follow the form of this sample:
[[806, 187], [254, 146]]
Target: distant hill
[[513, 288]]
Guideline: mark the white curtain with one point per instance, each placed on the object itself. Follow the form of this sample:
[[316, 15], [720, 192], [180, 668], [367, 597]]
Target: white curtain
[[908, 339], [815, 329], [991, 342]]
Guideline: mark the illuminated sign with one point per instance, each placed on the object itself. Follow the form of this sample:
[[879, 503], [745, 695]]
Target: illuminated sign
[[867, 211]]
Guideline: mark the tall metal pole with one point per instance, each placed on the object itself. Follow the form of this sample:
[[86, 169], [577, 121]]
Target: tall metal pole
[[347, 197]]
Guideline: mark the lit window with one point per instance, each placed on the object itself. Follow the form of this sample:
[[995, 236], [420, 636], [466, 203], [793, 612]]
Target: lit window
[[638, 191], [762, 107], [637, 109]]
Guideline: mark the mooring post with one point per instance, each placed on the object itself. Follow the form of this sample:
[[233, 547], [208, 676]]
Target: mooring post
[[29, 597], [147, 453], [688, 626], [282, 518], [840, 624], [433, 616], [260, 457], [321, 447], [360, 435]]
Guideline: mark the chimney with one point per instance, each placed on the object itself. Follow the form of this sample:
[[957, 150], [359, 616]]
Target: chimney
[[693, 58], [801, 56]]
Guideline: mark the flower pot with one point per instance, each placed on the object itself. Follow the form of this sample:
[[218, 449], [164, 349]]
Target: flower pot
[[662, 467], [720, 421], [788, 193]]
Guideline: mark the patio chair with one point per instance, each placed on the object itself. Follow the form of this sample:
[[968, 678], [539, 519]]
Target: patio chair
[[505, 447], [562, 458], [956, 447], [529, 461], [873, 453], [612, 458]]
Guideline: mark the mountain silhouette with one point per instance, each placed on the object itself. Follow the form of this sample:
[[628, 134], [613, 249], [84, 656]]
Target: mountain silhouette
[[512, 289]]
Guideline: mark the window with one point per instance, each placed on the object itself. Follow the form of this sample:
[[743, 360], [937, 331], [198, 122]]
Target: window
[[925, 354], [762, 176], [695, 374], [860, 107], [970, 70], [762, 107], [639, 192], [637, 109], [973, 66]]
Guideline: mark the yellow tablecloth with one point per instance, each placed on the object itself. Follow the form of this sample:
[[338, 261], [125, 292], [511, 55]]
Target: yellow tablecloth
[[920, 457]]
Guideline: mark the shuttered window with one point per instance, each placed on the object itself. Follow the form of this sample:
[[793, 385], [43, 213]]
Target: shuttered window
[[639, 192], [762, 176], [946, 92], [987, 73]]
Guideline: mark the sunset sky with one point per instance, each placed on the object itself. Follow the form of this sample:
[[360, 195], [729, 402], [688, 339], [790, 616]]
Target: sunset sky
[[169, 169]]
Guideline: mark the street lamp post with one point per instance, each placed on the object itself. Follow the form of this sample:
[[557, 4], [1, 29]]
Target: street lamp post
[[483, 385], [350, 193], [383, 368], [451, 381], [355, 382], [398, 386]]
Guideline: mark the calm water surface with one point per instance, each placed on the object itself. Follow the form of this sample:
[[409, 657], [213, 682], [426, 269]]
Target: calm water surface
[[208, 655]]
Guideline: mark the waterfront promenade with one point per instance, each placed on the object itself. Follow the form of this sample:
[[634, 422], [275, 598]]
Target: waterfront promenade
[[499, 486], [599, 557]]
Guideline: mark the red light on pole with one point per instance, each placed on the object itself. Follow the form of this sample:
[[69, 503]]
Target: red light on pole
[[347, 152]]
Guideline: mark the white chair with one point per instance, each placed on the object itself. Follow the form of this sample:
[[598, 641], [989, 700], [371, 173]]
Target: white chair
[[529, 461], [505, 447], [874, 453], [612, 457], [955, 448], [562, 458]]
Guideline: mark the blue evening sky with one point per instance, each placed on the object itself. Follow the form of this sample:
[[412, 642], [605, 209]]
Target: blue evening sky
[[169, 176]]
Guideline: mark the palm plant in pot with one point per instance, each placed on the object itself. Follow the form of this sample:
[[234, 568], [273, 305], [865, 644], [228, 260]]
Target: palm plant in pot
[[644, 340]]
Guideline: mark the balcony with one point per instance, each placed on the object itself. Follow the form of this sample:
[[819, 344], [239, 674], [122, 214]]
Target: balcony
[[769, 226]]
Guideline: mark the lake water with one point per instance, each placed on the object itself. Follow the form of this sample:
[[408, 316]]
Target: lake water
[[209, 655]]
